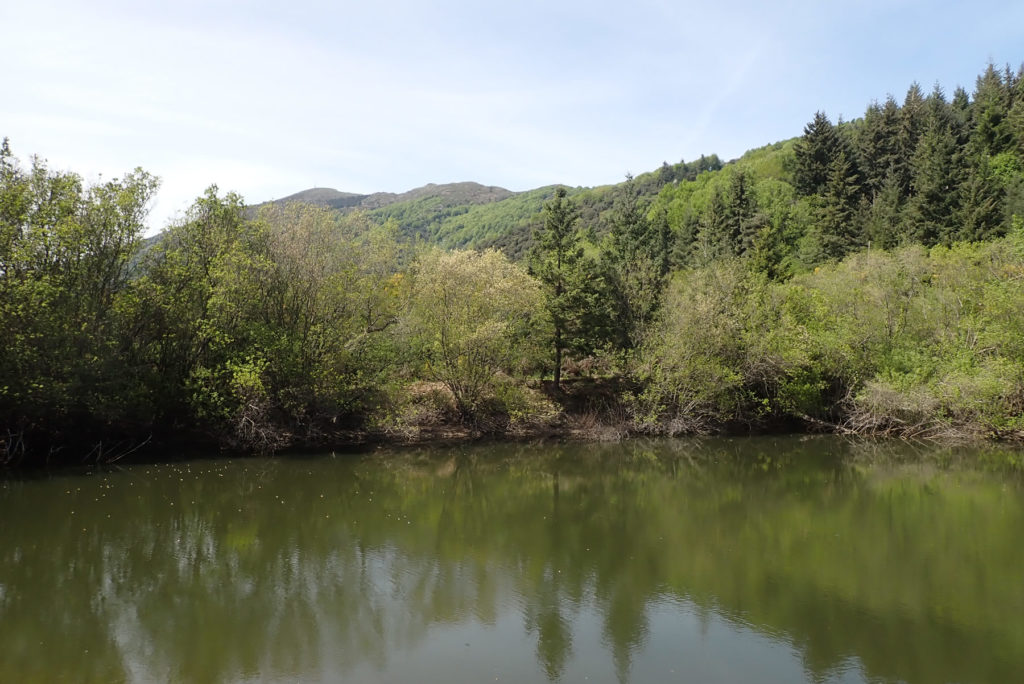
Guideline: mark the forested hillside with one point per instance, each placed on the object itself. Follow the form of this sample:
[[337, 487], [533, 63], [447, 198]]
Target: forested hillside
[[866, 277], [473, 216], [931, 169]]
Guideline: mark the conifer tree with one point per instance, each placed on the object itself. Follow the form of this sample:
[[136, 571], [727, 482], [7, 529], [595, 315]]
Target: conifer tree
[[936, 175], [912, 123], [711, 227], [838, 216], [877, 145], [767, 253], [1015, 117], [960, 109], [569, 281], [685, 240], [883, 223], [637, 260], [743, 220], [814, 153], [978, 215], [993, 132]]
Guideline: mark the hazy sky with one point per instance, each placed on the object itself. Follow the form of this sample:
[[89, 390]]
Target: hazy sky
[[270, 98]]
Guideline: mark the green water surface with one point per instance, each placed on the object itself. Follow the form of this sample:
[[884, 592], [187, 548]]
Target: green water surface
[[740, 560]]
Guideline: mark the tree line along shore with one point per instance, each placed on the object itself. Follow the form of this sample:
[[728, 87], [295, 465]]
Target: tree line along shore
[[866, 278]]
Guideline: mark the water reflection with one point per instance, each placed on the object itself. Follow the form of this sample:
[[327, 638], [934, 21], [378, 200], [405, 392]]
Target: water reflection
[[725, 560]]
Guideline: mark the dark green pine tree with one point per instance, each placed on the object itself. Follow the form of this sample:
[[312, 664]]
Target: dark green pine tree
[[712, 225], [838, 219], [557, 261], [937, 172], [883, 223], [636, 260], [768, 253], [877, 145], [666, 174], [913, 118], [743, 219], [960, 108], [685, 240], [815, 152], [993, 132], [712, 163], [735, 203], [979, 214], [1015, 118]]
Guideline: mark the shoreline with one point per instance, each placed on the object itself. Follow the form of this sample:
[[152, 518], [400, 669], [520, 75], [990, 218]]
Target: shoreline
[[168, 448]]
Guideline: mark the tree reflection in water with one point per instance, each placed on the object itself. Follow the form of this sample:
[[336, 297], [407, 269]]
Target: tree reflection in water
[[854, 560]]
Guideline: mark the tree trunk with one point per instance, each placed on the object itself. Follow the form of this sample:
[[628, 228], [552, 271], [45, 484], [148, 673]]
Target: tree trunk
[[558, 359]]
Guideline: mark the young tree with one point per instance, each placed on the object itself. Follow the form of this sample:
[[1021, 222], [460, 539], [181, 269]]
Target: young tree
[[768, 252], [323, 301], [685, 238], [183, 271], [264, 330]]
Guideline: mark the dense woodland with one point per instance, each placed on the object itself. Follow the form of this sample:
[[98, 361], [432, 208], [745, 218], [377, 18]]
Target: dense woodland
[[865, 277]]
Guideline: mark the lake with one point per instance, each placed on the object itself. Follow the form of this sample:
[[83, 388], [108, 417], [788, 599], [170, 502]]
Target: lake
[[770, 559]]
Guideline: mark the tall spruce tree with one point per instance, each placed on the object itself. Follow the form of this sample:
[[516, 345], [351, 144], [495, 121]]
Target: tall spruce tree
[[912, 123], [637, 260], [937, 173], [993, 131], [570, 282], [877, 145], [743, 218], [883, 222], [979, 213], [960, 109], [712, 225], [838, 220], [1015, 118], [814, 153], [685, 239]]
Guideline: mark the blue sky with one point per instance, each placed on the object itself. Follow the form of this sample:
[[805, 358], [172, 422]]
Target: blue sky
[[270, 98]]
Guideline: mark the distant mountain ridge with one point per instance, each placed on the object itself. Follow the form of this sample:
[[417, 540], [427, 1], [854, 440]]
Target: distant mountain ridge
[[475, 216], [449, 194]]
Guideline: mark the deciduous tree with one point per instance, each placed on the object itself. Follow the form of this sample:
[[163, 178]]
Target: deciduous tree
[[474, 315]]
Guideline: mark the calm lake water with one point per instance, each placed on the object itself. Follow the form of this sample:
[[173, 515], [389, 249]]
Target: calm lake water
[[745, 560]]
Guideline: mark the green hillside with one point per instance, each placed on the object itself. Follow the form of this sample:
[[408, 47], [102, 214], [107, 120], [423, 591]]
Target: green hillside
[[474, 216], [504, 224]]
